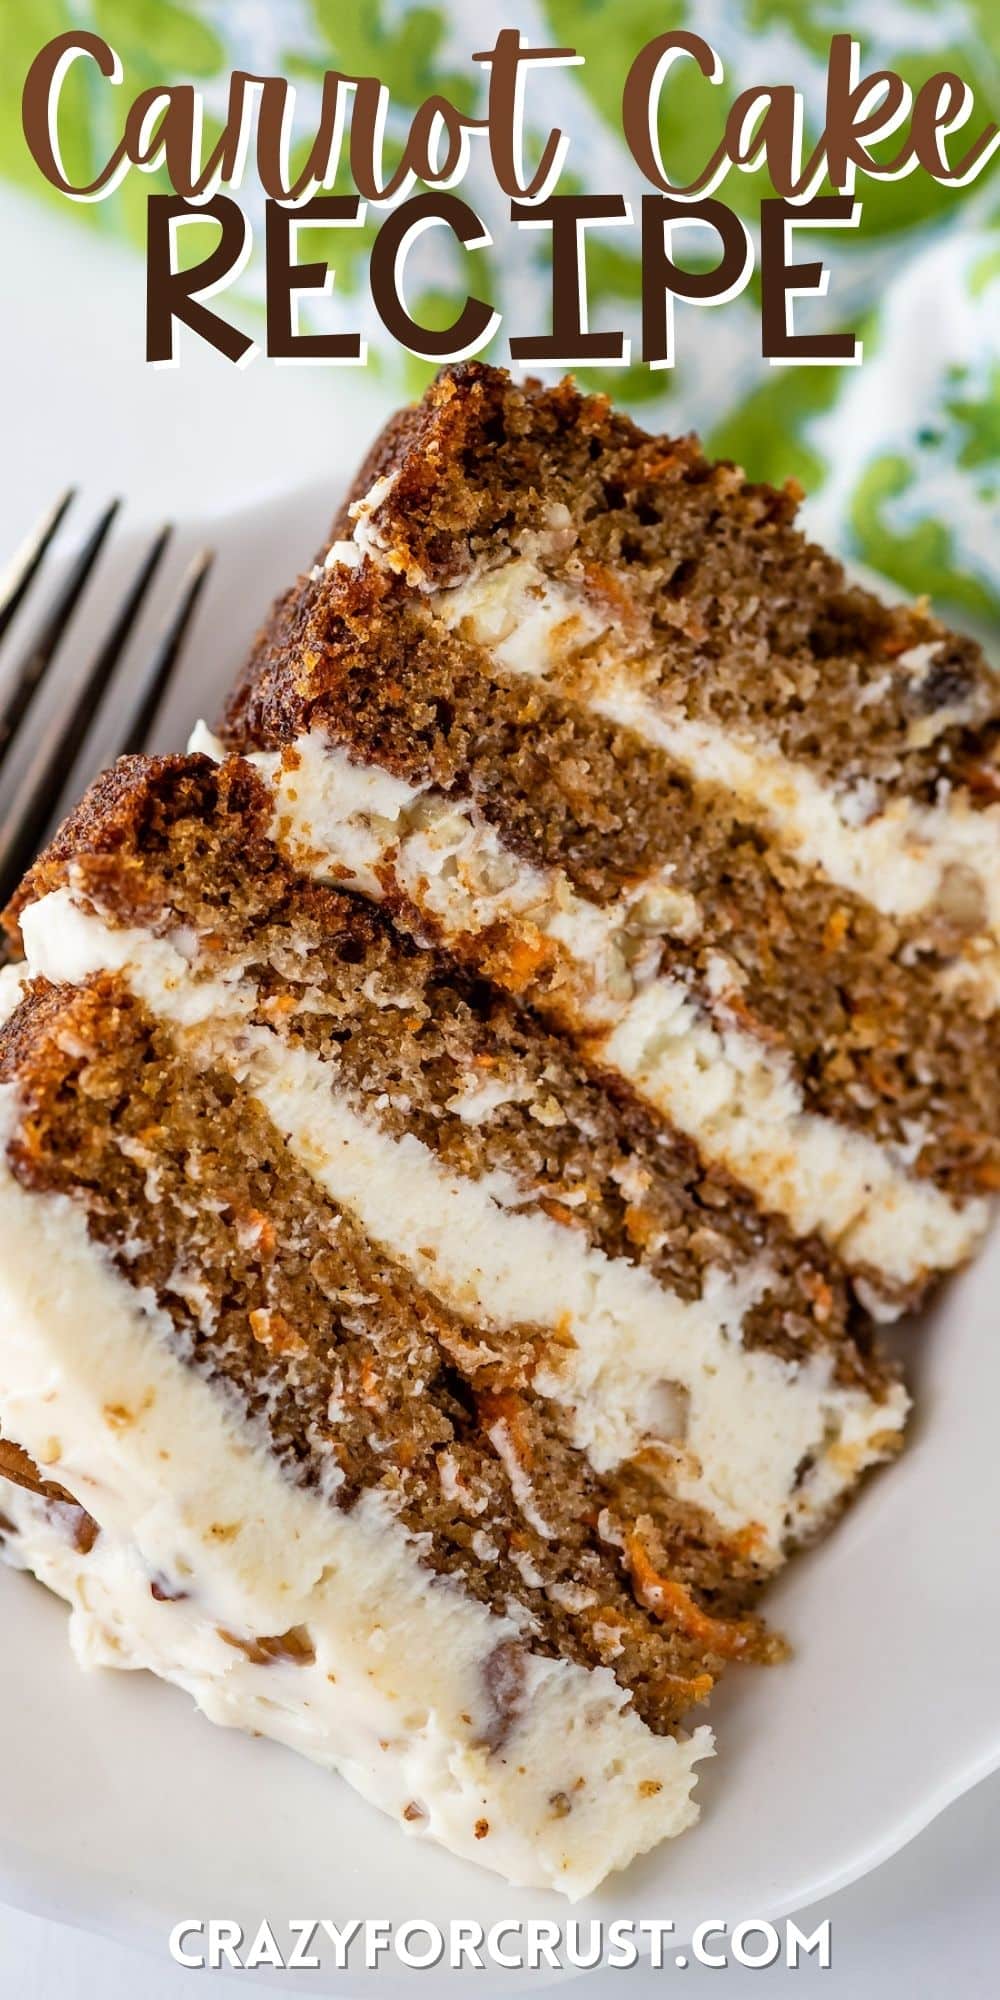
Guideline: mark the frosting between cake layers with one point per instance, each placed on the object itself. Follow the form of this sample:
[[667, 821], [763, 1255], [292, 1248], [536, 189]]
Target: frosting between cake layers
[[736, 1098], [751, 1419], [897, 859], [397, 1694], [902, 857]]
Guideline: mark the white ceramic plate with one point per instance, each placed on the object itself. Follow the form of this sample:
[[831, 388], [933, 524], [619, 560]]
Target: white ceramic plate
[[122, 1809]]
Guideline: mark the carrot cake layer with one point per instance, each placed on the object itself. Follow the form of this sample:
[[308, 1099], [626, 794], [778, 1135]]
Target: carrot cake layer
[[590, 711]]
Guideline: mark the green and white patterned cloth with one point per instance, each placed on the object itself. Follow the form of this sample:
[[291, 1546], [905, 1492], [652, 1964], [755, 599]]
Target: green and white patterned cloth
[[901, 457]]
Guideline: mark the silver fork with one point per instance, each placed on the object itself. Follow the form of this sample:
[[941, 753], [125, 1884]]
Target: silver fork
[[39, 760]]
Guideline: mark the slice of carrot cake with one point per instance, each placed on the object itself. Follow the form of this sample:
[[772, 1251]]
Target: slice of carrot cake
[[373, 1366], [590, 710]]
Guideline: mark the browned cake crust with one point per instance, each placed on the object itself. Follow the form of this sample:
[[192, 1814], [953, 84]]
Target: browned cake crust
[[127, 814]]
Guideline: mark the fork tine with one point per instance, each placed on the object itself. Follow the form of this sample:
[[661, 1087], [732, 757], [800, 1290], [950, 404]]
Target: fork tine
[[107, 656], [20, 572], [166, 653], [39, 655], [49, 767]]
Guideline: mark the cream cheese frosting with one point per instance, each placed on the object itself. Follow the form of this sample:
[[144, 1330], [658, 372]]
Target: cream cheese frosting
[[391, 1679]]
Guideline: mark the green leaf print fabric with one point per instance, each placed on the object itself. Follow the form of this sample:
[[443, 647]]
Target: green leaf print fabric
[[900, 456]]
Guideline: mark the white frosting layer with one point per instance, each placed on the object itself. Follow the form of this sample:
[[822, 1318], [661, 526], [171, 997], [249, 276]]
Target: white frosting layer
[[898, 859], [397, 1697], [739, 1100], [745, 1108], [11, 990], [745, 1421]]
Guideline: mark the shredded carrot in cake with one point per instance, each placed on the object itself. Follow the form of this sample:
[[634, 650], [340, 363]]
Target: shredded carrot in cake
[[523, 958], [731, 1638], [677, 1688], [835, 929]]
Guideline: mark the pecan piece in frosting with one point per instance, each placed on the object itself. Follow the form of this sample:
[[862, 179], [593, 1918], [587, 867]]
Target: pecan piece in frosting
[[21, 1470], [503, 1678]]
